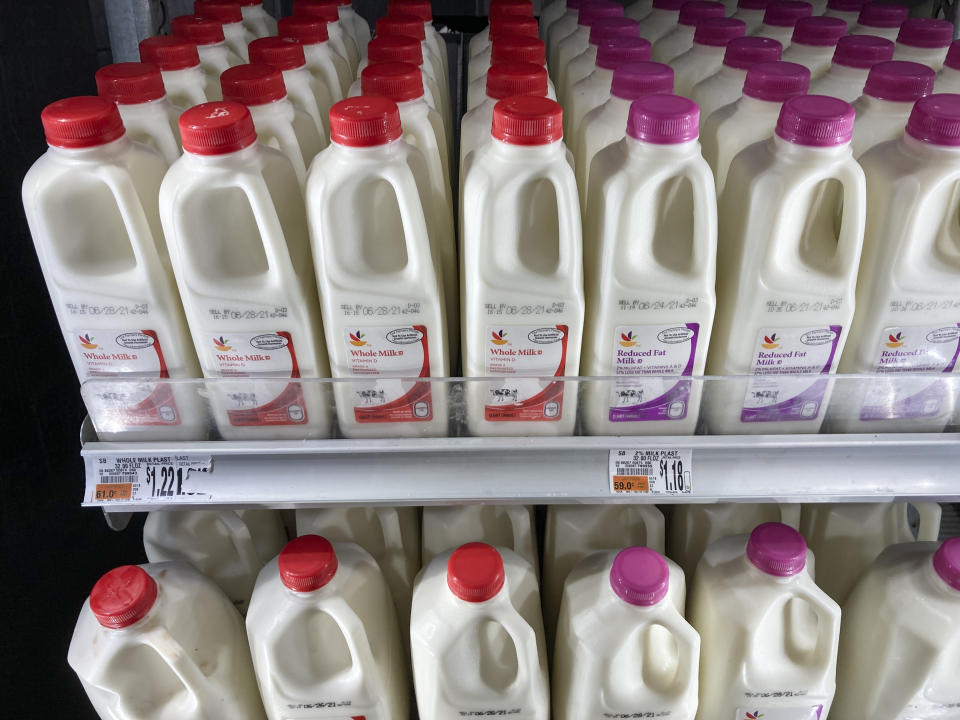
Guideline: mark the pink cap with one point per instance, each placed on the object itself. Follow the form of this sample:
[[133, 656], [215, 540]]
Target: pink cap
[[786, 13], [663, 119], [307, 563], [598, 10], [518, 48], [776, 81], [847, 5], [475, 572], [281, 53], [401, 82], [202, 31], [668, 5], [513, 25], [364, 121], [81, 122], [130, 83], [946, 562], [616, 51], [816, 121], [899, 81], [401, 24], [691, 13], [640, 576], [326, 10], [395, 48], [718, 32], [635, 79], [577, 4], [303, 28], [753, 4], [226, 11], [253, 84], [936, 120], [527, 120], [169, 53], [775, 548], [508, 79], [123, 596], [819, 31], [217, 128], [926, 33], [862, 51], [606, 28], [883, 15], [421, 8], [953, 56], [743, 53]]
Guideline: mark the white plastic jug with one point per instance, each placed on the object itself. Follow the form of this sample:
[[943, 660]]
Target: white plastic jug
[[550, 14], [705, 56], [511, 526], [780, 19], [650, 238], [326, 66], [230, 15], [948, 79], [579, 40], [215, 55], [726, 84], [768, 634], [508, 49], [852, 60], [397, 48], [618, 622], [814, 42], [891, 91], [228, 546], [183, 77], [91, 204], [233, 216], [752, 12], [638, 10], [600, 32], [846, 10], [256, 19], [168, 623], [562, 28], [679, 39], [503, 28], [423, 10], [476, 637], [324, 635], [355, 26], [880, 20], [662, 19], [407, 25], [900, 640], [340, 41]]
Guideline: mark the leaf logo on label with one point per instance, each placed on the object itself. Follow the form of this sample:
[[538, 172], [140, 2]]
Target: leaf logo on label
[[269, 341], [943, 335], [404, 336], [770, 342], [545, 336], [134, 340], [87, 342], [675, 335], [818, 337], [895, 341]]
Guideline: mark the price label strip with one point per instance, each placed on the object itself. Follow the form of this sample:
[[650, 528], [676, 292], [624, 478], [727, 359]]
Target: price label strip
[[148, 478], [651, 472]]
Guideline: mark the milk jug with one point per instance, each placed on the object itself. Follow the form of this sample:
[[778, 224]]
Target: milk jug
[[680, 37], [768, 634], [888, 97], [476, 637], [324, 635], [900, 642], [814, 42], [505, 50], [364, 263], [423, 10], [618, 622], [924, 40], [752, 12], [228, 546], [705, 57], [550, 14], [852, 60], [600, 32], [881, 20], [726, 85], [499, 10], [397, 48], [563, 27], [148, 117], [256, 19], [233, 216], [168, 623], [183, 77], [340, 40], [230, 15], [791, 229], [510, 526], [326, 66], [215, 55], [650, 238], [846, 10], [781, 18], [579, 40], [662, 19], [638, 9], [505, 27], [91, 204], [355, 26], [523, 296], [948, 79]]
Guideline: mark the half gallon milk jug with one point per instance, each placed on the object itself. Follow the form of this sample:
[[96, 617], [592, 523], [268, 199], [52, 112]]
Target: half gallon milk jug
[[509, 526], [161, 641], [623, 648], [508, 26], [791, 229], [397, 48], [781, 18], [846, 10], [924, 40], [91, 204], [257, 20], [550, 14], [380, 274], [881, 20], [324, 635], [900, 642], [907, 318], [183, 77], [228, 546], [600, 32], [852, 60], [768, 634], [948, 79], [354, 25], [233, 214], [579, 40], [726, 84], [815, 42], [562, 28], [230, 15], [846, 537], [476, 637], [662, 19], [705, 57], [650, 233], [888, 98], [752, 12], [507, 49], [326, 66], [148, 117], [341, 42], [680, 37], [215, 55], [423, 10], [523, 285]]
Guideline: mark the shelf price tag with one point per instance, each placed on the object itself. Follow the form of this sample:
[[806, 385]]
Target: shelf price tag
[[122, 478], [651, 472]]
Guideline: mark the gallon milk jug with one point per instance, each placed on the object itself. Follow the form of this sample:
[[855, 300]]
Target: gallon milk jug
[[506, 26], [256, 19], [380, 255], [769, 635], [355, 26], [507, 49], [726, 84], [881, 20], [233, 215], [791, 229], [900, 642], [278, 123], [752, 12], [846, 10], [705, 57], [228, 546], [167, 623], [423, 10], [600, 32], [510, 526], [618, 622], [650, 233], [815, 42], [680, 37], [948, 79], [523, 285], [148, 117], [846, 537], [476, 637], [324, 635], [579, 40], [327, 67], [924, 40], [183, 77], [662, 19], [781, 18], [91, 204], [215, 55], [852, 60], [341, 42], [888, 98], [230, 15]]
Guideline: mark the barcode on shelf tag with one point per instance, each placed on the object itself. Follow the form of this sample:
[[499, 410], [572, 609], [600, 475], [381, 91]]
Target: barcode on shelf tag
[[651, 472], [142, 478]]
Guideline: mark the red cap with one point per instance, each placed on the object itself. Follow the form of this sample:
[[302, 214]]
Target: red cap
[[303, 28], [527, 120], [281, 53], [123, 596], [364, 121], [307, 563], [216, 128], [226, 11], [130, 83], [81, 122], [420, 8], [401, 82], [475, 572], [168, 52], [395, 48], [202, 31], [254, 84], [401, 24], [509, 79], [252, 3], [518, 48], [326, 10], [499, 8], [513, 25], [691, 13]]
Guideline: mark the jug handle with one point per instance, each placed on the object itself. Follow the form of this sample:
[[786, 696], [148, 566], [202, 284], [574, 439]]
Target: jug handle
[[134, 219], [173, 653], [242, 540], [408, 196], [570, 221], [522, 635], [354, 633], [287, 140], [268, 223], [930, 512], [688, 651], [519, 516], [828, 626]]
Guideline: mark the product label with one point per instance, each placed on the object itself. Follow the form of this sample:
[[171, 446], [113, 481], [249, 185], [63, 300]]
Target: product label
[[526, 355], [390, 353], [650, 360], [774, 396], [810, 712], [651, 472], [914, 349]]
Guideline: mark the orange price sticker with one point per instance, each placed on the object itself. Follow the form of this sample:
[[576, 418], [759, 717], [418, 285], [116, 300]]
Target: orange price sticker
[[631, 484], [105, 492]]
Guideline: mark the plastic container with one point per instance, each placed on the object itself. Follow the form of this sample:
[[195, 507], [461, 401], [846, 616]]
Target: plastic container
[[638, 10], [768, 634], [326, 66], [852, 60], [167, 622], [948, 79], [423, 10], [663, 18], [924, 40], [257, 20], [565, 25], [340, 40], [680, 38], [215, 55], [601, 31], [846, 10], [506, 49], [726, 85], [814, 42], [880, 19], [509, 526], [706, 56], [780, 20], [579, 40], [183, 77], [355, 26], [751, 12], [888, 97], [550, 14], [230, 15]]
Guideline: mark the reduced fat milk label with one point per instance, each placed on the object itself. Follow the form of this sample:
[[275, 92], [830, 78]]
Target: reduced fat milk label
[[649, 362], [394, 355], [772, 394], [526, 355], [810, 712]]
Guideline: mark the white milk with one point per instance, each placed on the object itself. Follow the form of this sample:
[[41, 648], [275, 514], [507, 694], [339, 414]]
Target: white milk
[[791, 228], [781, 18], [900, 642], [705, 57], [600, 32], [324, 635], [183, 77], [91, 204], [663, 18], [769, 635], [889, 95], [618, 622], [355, 26], [326, 66], [168, 623], [650, 238], [948, 79], [852, 60], [726, 84], [523, 295], [476, 637], [924, 40], [230, 15], [510, 526], [814, 43], [257, 20], [880, 19], [228, 546], [550, 14], [752, 12], [215, 55], [846, 10], [341, 42], [680, 37], [579, 40], [233, 216]]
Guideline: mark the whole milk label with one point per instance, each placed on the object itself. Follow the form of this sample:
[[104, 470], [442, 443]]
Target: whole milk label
[[809, 712], [526, 356]]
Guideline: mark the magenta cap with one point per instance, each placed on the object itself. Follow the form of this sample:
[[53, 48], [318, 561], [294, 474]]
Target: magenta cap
[[640, 576], [786, 13], [633, 80], [598, 10], [883, 15], [752, 4], [743, 53], [671, 5], [819, 31], [946, 563], [691, 13], [936, 120], [775, 548], [926, 33], [776, 81], [577, 4], [816, 121], [606, 28], [718, 32], [616, 51], [663, 119], [863, 51], [899, 81], [846, 5], [953, 56]]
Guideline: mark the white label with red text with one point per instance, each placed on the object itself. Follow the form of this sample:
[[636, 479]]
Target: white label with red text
[[527, 356]]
